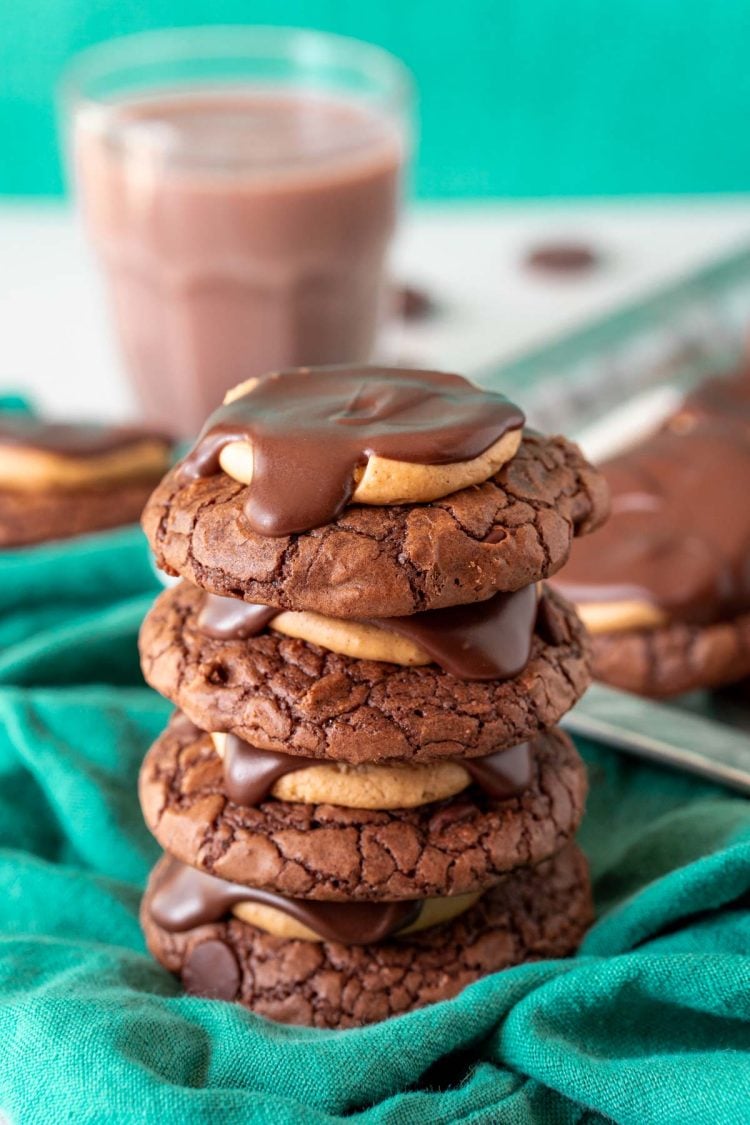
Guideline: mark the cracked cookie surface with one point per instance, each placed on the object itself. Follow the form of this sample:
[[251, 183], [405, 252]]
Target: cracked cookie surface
[[672, 659], [35, 516], [284, 694], [465, 843], [510, 531], [534, 914]]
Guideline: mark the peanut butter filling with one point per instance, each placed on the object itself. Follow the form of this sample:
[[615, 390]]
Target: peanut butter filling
[[27, 468], [620, 617], [357, 639], [402, 785], [433, 912], [383, 481]]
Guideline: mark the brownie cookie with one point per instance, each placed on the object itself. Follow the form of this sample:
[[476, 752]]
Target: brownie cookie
[[34, 517], [59, 479], [285, 694], [673, 659], [533, 914], [665, 593], [462, 844], [501, 535]]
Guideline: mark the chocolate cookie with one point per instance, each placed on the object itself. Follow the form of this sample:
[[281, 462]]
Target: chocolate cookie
[[673, 659], [284, 694], [536, 913], [504, 534], [463, 844], [32, 516]]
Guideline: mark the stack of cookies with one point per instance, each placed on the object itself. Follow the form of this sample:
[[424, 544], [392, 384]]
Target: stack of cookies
[[363, 797]]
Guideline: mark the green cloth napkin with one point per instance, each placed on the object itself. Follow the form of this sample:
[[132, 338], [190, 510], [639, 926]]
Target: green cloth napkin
[[70, 611], [649, 1023]]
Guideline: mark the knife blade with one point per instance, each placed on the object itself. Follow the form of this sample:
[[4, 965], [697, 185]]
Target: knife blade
[[663, 734]]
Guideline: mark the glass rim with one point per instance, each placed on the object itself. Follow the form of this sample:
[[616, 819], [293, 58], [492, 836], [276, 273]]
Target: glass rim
[[236, 42]]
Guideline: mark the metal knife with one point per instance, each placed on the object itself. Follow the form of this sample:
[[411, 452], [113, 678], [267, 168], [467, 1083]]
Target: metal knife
[[665, 734]]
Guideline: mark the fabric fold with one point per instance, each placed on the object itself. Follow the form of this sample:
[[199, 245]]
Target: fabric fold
[[650, 1022]]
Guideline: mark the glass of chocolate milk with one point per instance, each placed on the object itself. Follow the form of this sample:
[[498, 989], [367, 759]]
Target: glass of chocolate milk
[[241, 187]]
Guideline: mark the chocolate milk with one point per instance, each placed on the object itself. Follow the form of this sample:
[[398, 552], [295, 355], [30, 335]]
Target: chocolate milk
[[240, 232]]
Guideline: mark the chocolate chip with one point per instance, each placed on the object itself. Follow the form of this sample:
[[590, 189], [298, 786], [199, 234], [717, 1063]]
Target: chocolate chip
[[562, 257], [212, 971], [411, 303]]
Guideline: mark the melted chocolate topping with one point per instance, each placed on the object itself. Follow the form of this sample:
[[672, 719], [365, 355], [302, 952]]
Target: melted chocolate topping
[[250, 772], [488, 640], [231, 619], [726, 396], [679, 534], [310, 428], [504, 774], [69, 439], [185, 899]]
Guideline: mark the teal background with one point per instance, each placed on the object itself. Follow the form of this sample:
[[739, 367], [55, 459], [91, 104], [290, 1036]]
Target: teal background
[[519, 97]]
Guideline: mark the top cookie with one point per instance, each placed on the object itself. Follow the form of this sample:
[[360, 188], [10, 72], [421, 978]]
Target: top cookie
[[309, 441], [511, 529]]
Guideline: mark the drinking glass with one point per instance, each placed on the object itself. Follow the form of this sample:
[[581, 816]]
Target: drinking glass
[[241, 188]]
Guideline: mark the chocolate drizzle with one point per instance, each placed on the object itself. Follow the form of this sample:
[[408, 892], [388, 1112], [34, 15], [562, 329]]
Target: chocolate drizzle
[[679, 534], [488, 640], [310, 428], [185, 899], [68, 439], [230, 619], [503, 774], [250, 772], [726, 397]]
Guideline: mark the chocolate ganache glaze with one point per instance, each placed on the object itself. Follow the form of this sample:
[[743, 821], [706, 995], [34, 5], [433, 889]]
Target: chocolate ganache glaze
[[679, 533], [310, 428], [250, 772], [70, 439], [488, 640], [230, 619], [725, 396], [185, 899]]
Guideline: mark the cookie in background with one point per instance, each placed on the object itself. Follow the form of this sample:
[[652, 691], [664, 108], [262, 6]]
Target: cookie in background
[[58, 480], [664, 590]]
